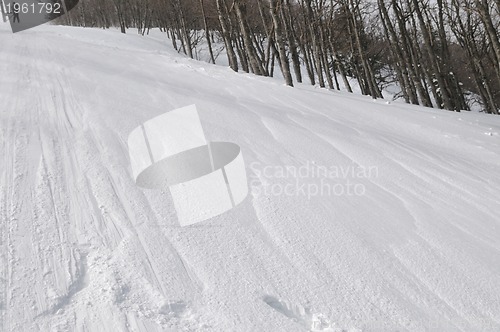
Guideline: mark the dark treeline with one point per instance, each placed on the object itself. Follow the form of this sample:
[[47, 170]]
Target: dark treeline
[[437, 51]]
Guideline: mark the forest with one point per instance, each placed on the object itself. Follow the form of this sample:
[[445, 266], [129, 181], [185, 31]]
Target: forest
[[440, 53]]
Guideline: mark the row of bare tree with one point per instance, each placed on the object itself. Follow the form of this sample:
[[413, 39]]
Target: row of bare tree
[[440, 52]]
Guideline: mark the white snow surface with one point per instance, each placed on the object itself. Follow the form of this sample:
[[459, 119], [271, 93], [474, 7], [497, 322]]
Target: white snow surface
[[84, 249]]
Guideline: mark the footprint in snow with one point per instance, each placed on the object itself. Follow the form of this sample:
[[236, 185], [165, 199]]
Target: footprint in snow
[[301, 315], [175, 309]]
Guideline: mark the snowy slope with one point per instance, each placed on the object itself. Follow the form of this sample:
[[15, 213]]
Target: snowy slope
[[84, 249]]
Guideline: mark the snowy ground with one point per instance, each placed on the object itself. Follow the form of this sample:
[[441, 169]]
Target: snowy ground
[[416, 248]]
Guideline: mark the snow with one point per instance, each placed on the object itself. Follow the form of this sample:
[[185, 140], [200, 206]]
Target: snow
[[415, 248]]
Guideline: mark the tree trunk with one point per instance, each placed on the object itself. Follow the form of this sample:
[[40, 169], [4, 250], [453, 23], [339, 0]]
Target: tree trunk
[[231, 55], [207, 32], [278, 36], [254, 63]]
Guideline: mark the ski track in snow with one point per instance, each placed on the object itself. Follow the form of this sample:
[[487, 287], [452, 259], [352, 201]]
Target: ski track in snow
[[84, 249]]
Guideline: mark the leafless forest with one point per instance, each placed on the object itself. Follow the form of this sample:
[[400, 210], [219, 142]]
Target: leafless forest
[[442, 53]]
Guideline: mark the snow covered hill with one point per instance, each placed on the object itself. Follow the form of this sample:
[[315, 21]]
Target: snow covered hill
[[363, 215]]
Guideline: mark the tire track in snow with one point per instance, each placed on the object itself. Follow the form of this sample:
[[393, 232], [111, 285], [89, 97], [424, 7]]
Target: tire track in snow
[[24, 151], [42, 258], [146, 232]]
